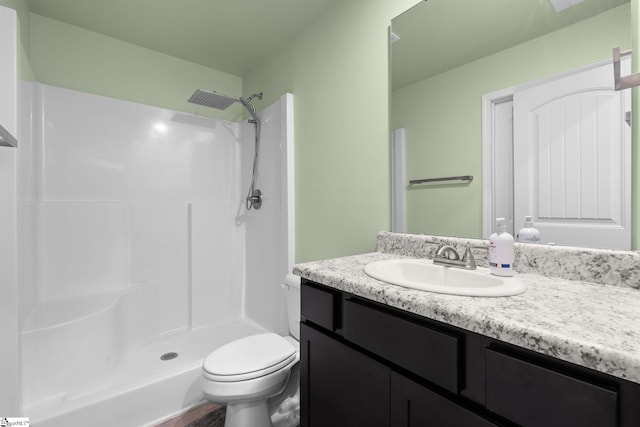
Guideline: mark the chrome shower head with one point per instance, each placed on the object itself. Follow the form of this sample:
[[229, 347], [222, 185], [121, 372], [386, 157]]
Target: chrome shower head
[[211, 99]]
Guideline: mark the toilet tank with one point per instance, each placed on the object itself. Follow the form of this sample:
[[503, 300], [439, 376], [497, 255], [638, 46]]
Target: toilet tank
[[292, 291]]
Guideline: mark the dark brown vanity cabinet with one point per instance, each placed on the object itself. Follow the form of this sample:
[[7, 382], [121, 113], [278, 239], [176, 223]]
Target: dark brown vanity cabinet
[[367, 364]]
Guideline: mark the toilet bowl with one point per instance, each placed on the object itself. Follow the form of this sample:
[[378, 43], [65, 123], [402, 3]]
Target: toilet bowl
[[247, 373]]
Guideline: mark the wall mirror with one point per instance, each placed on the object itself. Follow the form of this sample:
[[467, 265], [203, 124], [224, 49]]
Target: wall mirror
[[447, 56]]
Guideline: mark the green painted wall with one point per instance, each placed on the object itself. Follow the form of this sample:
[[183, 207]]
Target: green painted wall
[[338, 71], [442, 116], [66, 56]]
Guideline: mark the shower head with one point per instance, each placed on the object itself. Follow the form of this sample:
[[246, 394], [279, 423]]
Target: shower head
[[211, 99], [222, 102]]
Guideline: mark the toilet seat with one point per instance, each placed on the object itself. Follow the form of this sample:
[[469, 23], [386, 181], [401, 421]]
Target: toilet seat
[[250, 357]]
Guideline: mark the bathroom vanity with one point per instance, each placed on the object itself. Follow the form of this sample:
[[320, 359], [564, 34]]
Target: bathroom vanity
[[564, 353]]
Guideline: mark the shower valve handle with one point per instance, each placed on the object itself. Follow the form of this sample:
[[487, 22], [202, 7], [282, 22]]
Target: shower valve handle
[[254, 200]]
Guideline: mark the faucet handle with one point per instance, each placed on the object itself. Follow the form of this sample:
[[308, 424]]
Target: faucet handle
[[469, 260]]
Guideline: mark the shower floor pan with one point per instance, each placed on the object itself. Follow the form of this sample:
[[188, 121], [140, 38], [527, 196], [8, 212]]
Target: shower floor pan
[[142, 390]]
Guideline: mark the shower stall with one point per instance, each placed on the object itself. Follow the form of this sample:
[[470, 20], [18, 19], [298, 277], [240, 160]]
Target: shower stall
[[137, 253]]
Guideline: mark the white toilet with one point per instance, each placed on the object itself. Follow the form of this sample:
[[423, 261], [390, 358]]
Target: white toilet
[[248, 374]]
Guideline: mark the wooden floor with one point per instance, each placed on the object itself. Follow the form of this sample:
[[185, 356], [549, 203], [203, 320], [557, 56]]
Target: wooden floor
[[184, 419]]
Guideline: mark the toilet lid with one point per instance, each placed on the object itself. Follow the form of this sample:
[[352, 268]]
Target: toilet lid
[[253, 354]]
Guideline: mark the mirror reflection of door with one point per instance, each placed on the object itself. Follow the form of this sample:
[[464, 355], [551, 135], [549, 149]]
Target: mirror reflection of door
[[571, 159]]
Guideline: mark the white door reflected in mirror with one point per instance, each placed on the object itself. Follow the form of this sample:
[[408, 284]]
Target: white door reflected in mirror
[[571, 158]]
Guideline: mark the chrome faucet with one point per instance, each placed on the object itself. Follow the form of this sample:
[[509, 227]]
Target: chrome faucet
[[447, 256]]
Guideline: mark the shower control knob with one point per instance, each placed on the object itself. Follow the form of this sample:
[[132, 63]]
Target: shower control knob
[[255, 200]]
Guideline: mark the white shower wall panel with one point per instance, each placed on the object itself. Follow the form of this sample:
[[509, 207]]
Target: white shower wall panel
[[28, 205], [216, 263], [264, 278], [86, 249], [270, 162], [267, 251], [100, 152], [159, 257], [98, 148]]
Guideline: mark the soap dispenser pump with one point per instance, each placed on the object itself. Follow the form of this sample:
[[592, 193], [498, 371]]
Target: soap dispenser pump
[[501, 250], [528, 234]]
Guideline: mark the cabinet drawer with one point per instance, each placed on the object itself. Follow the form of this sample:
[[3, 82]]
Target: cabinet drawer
[[426, 352], [319, 306], [532, 395]]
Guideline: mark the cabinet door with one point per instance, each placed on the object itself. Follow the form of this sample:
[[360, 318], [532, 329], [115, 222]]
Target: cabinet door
[[340, 386], [413, 405]]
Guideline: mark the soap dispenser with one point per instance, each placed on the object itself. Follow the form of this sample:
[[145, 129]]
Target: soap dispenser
[[501, 250], [528, 234]]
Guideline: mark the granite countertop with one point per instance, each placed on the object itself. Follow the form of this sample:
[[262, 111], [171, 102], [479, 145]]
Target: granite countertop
[[593, 325]]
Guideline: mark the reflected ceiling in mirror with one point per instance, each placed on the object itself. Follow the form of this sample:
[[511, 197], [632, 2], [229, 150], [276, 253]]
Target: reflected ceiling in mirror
[[438, 35]]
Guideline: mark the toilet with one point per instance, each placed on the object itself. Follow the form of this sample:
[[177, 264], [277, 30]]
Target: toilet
[[254, 376]]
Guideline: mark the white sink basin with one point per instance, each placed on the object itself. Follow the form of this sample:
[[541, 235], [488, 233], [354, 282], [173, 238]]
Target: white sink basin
[[425, 276]]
